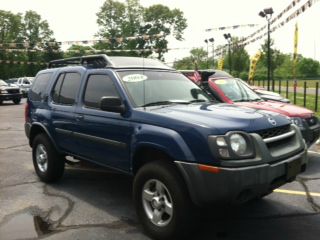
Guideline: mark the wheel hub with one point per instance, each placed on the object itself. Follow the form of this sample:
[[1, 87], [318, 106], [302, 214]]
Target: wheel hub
[[157, 203]]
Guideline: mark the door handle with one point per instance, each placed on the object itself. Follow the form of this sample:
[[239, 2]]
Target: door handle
[[79, 117]]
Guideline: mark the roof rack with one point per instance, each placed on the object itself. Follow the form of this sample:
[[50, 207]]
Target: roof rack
[[92, 61]]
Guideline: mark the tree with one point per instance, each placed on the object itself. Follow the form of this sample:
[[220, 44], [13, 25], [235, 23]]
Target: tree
[[308, 67], [25, 32], [164, 21], [77, 51], [197, 59], [277, 58], [118, 21], [240, 60]]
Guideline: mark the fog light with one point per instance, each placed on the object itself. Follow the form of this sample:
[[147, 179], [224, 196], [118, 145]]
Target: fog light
[[221, 142], [224, 152]]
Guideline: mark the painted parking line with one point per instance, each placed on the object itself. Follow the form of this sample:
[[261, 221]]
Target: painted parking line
[[313, 194], [310, 151]]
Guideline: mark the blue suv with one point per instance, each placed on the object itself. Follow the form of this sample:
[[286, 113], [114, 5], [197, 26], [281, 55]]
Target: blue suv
[[144, 119]]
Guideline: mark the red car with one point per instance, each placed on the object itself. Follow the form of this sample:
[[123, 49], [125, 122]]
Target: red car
[[234, 91]]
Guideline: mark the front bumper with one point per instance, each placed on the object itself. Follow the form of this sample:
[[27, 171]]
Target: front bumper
[[10, 96], [239, 184], [310, 133]]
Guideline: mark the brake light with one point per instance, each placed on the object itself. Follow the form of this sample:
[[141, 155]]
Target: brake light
[[26, 112]]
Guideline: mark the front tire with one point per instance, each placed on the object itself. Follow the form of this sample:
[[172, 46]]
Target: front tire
[[16, 101], [48, 164], [162, 202]]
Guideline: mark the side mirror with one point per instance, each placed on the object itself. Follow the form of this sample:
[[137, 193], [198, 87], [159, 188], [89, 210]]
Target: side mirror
[[112, 104], [195, 93]]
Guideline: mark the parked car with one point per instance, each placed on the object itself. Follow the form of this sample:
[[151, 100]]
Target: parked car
[[219, 74], [267, 95], [234, 91], [9, 93], [12, 82], [142, 118], [24, 83]]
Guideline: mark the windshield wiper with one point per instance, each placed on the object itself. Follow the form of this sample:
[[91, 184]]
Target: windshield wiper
[[197, 101], [161, 103], [240, 100]]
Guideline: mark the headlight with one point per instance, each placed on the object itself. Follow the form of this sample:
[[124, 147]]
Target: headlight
[[3, 91], [233, 146], [238, 144], [297, 121]]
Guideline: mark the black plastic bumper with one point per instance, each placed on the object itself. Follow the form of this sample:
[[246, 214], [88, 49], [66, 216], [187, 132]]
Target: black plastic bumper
[[310, 133], [10, 97], [237, 185]]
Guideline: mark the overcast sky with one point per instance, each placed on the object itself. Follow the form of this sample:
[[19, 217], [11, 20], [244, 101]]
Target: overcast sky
[[76, 20]]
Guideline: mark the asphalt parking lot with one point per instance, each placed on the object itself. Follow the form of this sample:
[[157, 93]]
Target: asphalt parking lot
[[94, 203]]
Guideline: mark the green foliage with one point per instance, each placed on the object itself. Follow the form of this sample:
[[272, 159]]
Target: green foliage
[[25, 28], [240, 60], [197, 59], [117, 19], [308, 67]]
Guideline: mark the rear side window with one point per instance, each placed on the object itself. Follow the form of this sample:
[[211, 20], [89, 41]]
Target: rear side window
[[66, 88], [37, 92], [98, 86]]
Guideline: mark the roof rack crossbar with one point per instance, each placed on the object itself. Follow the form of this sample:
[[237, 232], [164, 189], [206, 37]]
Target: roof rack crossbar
[[92, 61]]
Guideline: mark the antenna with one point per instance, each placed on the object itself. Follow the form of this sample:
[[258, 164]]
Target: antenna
[[144, 85]]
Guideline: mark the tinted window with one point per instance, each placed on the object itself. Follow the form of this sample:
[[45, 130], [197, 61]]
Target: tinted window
[[98, 86], [57, 89], [151, 87], [39, 86], [66, 88]]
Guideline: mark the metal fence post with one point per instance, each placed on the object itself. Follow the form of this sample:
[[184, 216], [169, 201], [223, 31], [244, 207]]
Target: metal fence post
[[316, 102], [304, 93], [279, 86], [294, 95]]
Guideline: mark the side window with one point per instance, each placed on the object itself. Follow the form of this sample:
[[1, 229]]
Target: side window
[[98, 86], [57, 88], [38, 89], [66, 88]]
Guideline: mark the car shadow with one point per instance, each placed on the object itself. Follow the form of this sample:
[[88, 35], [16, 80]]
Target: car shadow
[[111, 193], [8, 103]]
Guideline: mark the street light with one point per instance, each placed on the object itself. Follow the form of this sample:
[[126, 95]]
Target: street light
[[267, 13], [212, 42], [207, 42], [227, 36]]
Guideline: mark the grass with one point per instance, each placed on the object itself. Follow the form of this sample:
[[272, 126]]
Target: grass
[[310, 101], [300, 83]]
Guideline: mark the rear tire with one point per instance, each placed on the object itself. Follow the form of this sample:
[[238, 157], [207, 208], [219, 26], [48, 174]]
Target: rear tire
[[47, 162], [157, 186], [16, 101]]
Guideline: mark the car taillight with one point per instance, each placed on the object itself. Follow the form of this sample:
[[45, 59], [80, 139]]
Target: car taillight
[[26, 112]]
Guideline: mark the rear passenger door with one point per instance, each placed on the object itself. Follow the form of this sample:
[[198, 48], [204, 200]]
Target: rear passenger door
[[63, 101], [104, 137]]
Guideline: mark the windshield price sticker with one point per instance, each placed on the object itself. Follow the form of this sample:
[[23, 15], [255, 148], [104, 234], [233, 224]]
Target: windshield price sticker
[[135, 78], [220, 82]]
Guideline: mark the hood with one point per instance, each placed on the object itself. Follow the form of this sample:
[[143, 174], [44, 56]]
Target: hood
[[9, 88], [220, 118], [265, 92], [279, 107], [274, 98]]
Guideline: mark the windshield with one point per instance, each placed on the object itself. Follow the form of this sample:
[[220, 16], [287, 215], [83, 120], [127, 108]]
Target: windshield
[[3, 83], [148, 88], [236, 90]]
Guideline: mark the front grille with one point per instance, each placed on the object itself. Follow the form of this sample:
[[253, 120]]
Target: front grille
[[13, 91], [273, 132], [312, 121]]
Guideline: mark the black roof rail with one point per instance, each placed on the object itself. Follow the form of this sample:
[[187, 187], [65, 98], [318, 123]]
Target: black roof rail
[[92, 61]]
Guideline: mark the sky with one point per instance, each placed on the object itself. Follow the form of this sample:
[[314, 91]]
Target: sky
[[76, 20]]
